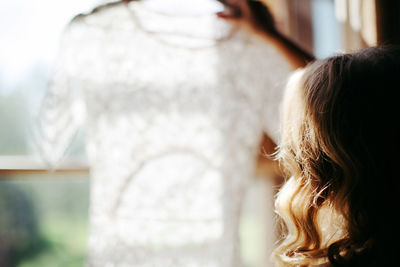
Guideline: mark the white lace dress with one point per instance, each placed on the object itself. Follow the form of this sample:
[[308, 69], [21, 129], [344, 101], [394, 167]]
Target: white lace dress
[[175, 110]]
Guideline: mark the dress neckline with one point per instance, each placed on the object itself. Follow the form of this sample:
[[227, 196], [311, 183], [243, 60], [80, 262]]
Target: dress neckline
[[184, 31]]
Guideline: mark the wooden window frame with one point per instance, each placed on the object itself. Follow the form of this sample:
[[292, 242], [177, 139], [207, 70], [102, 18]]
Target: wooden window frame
[[11, 166]]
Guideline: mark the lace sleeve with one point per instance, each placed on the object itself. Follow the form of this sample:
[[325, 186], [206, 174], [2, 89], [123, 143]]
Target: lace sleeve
[[62, 109]]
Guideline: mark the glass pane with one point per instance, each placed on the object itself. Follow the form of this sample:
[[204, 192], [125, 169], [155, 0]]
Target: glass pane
[[30, 33], [43, 220], [326, 29]]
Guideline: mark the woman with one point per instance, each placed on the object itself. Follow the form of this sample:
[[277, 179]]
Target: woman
[[339, 146]]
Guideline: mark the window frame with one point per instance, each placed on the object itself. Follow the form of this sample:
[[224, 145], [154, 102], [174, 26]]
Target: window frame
[[11, 166]]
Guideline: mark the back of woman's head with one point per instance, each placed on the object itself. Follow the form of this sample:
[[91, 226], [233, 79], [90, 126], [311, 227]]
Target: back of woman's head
[[339, 145]]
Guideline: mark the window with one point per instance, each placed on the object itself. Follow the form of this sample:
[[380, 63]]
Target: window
[[43, 215]]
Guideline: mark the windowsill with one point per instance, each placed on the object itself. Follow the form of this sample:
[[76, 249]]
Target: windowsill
[[32, 164]]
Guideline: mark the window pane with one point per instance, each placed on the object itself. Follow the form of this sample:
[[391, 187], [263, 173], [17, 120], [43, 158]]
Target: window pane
[[326, 28], [43, 220], [30, 32]]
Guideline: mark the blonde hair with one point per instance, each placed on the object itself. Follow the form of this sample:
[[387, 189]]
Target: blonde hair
[[338, 148]]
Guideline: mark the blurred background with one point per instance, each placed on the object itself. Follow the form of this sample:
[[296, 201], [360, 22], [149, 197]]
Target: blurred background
[[44, 214]]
